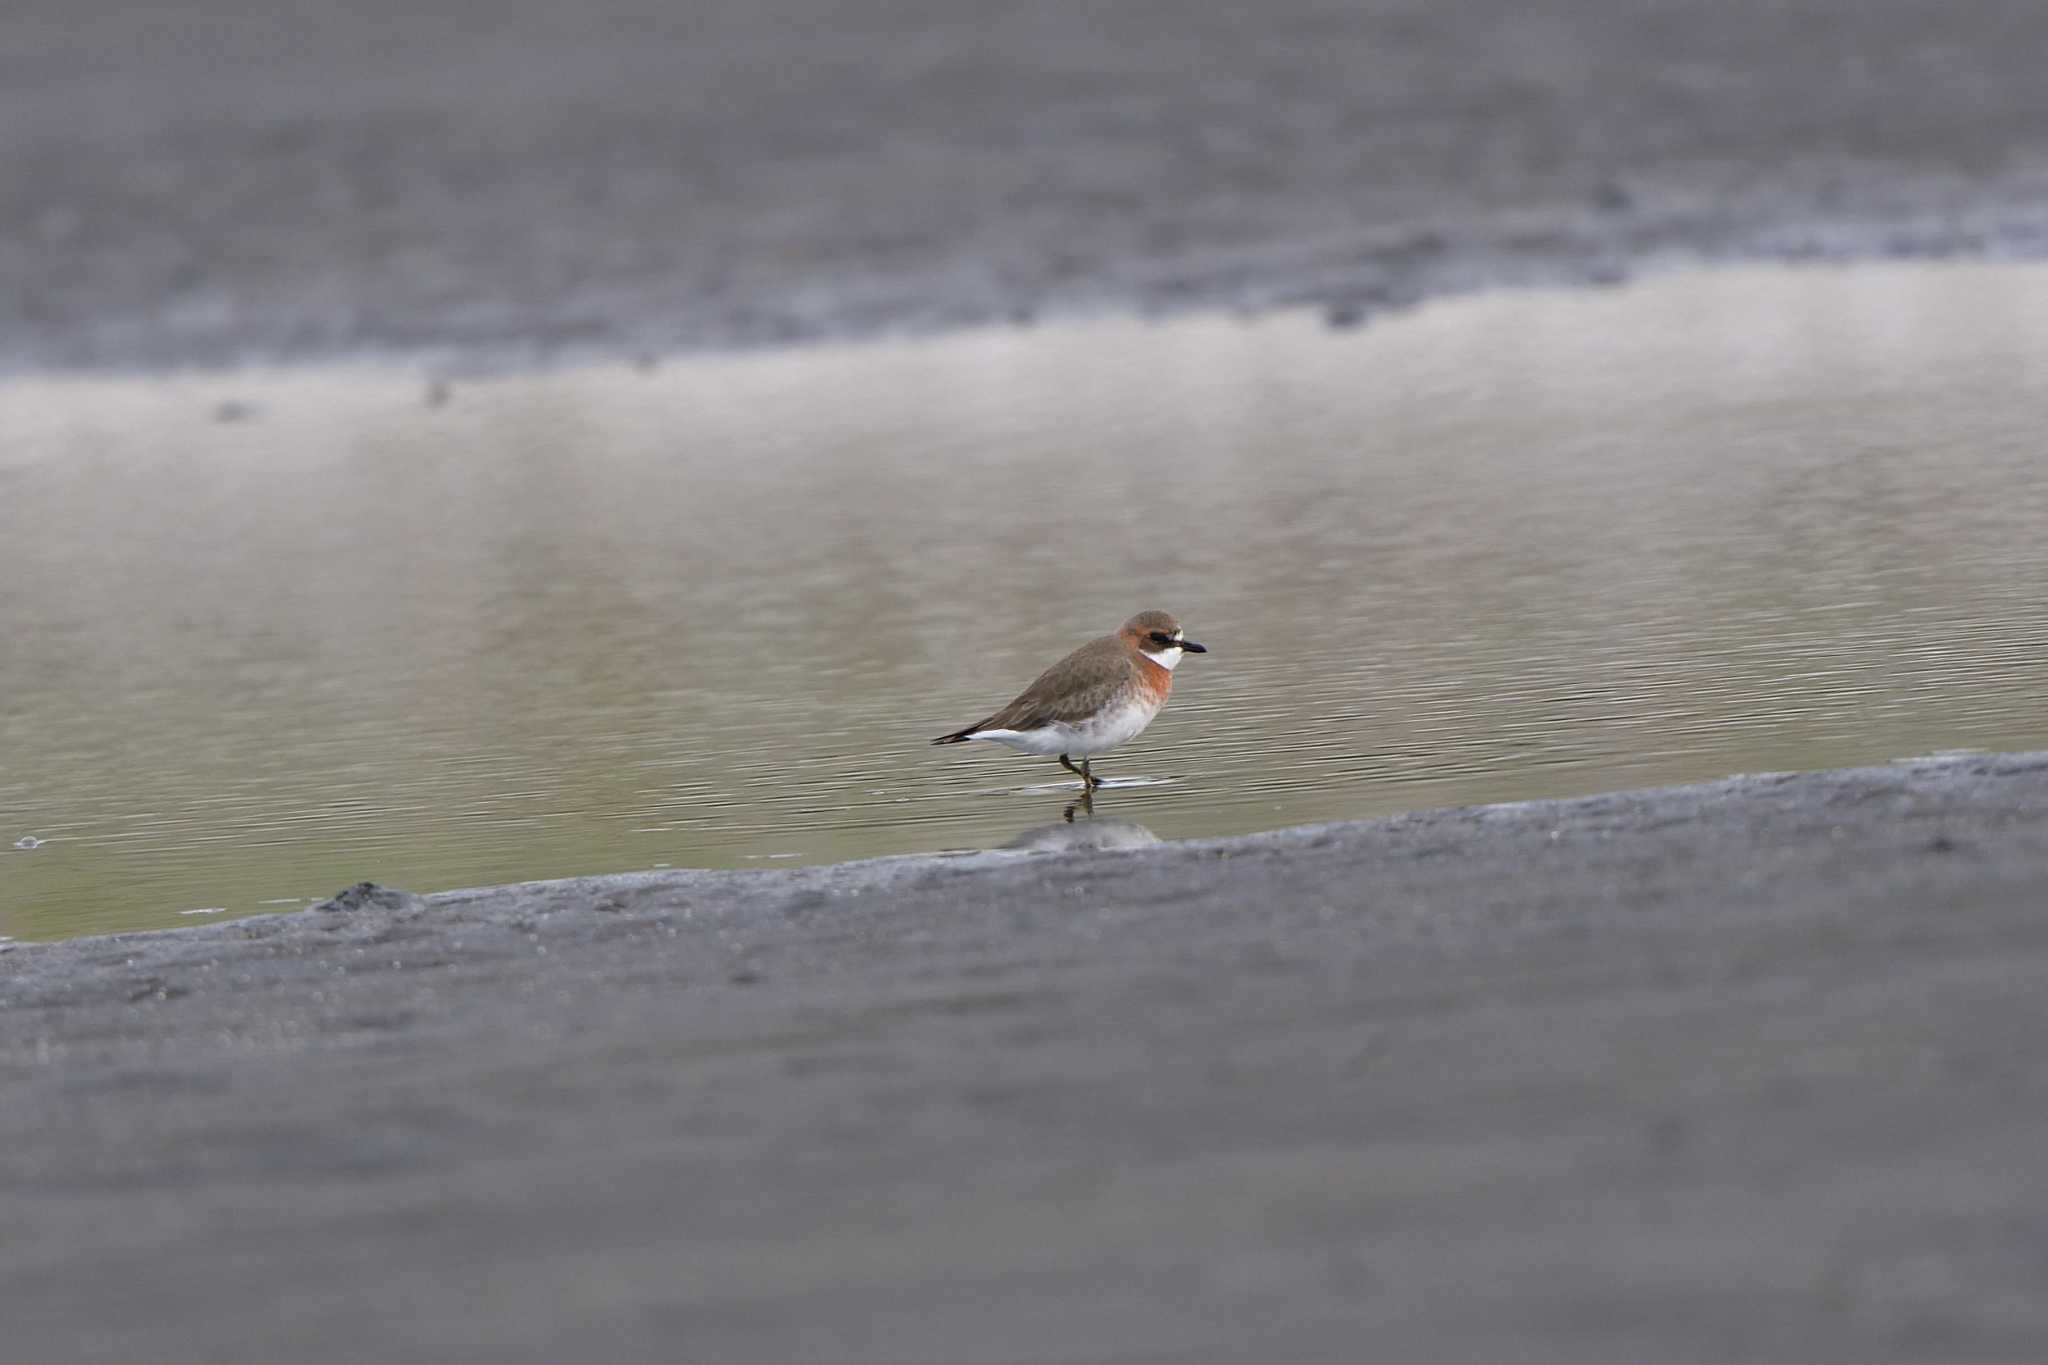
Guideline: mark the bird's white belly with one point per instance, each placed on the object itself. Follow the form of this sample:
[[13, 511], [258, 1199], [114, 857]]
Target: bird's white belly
[[1096, 735]]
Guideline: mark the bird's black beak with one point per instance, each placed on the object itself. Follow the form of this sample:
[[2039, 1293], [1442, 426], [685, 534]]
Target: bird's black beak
[[1191, 647]]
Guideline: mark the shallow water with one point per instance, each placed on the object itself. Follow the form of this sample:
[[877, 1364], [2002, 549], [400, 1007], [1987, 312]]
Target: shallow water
[[267, 634]]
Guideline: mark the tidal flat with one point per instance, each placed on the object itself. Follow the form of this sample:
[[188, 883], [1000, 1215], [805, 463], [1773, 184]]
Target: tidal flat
[[1746, 1070]]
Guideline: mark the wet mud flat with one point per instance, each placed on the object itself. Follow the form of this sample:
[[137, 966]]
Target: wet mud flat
[[234, 180], [1748, 1070]]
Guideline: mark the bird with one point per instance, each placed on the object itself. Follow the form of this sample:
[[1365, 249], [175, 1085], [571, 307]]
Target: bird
[[1104, 693]]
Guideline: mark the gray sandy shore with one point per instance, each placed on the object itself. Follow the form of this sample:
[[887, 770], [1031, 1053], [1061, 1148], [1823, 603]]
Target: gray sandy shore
[[244, 180], [1746, 1071]]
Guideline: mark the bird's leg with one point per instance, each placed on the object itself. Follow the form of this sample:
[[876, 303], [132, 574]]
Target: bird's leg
[[1089, 781]]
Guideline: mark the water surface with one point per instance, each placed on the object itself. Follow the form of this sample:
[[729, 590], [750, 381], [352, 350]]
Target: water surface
[[268, 633]]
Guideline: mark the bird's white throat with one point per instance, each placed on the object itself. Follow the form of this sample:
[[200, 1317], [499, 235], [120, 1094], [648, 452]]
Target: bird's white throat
[[1168, 659]]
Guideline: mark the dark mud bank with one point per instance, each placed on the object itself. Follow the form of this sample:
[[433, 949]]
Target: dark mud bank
[[1743, 1070], [1438, 855], [234, 182]]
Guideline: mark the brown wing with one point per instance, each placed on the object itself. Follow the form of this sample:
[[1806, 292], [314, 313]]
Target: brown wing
[[1073, 689]]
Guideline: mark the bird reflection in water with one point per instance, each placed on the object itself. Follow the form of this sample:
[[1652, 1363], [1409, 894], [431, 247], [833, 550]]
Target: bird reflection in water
[[1087, 835]]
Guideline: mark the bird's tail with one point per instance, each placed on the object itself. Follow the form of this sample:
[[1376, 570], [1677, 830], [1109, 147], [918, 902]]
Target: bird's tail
[[959, 736]]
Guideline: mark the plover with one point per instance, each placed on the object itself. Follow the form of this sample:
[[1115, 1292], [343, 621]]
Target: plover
[[1102, 694]]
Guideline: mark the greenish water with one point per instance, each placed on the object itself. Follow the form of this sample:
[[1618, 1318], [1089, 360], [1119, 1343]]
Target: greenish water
[[1517, 545]]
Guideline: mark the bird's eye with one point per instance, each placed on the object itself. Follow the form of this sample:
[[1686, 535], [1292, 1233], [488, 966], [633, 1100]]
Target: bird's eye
[[1160, 637]]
